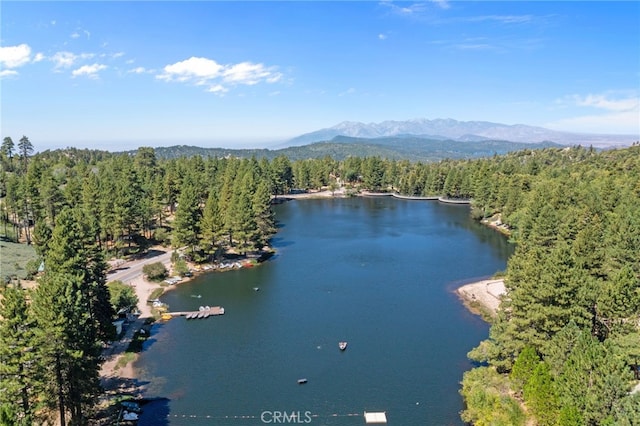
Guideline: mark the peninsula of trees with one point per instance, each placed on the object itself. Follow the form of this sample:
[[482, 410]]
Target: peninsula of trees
[[564, 349]]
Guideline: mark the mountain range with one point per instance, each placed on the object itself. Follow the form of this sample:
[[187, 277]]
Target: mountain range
[[465, 131]]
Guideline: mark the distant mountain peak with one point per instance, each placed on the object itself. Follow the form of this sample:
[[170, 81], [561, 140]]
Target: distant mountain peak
[[449, 128]]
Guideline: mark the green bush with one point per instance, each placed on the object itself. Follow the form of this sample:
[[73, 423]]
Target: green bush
[[181, 267], [486, 394], [155, 271], [32, 268], [121, 295]]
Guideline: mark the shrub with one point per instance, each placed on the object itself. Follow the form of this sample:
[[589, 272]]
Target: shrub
[[181, 267], [121, 296], [486, 394], [32, 268], [155, 271]]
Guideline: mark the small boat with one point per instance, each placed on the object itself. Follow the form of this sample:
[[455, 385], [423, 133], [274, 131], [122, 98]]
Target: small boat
[[256, 289], [342, 345], [302, 381], [201, 314]]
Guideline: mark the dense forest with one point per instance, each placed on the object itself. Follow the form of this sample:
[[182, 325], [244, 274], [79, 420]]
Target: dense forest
[[414, 148], [563, 349]]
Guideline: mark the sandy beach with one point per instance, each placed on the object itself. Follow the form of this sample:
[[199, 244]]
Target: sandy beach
[[338, 193], [486, 293], [113, 377], [143, 289]]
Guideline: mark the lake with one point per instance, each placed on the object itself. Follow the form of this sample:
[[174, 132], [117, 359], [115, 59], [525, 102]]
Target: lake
[[379, 273]]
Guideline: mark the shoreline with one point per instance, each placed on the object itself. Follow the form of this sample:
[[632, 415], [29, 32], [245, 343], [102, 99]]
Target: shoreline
[[482, 297], [111, 371], [479, 297], [344, 193]]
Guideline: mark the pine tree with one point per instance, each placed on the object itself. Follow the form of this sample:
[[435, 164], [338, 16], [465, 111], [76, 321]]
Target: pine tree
[[523, 368], [541, 397], [17, 378], [73, 314], [7, 149], [25, 147], [187, 222], [263, 215], [592, 379], [211, 224], [240, 216]]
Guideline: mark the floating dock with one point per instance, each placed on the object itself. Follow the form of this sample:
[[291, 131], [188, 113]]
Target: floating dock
[[379, 418], [205, 312]]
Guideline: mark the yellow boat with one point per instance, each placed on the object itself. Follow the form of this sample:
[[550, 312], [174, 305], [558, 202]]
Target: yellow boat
[[166, 317]]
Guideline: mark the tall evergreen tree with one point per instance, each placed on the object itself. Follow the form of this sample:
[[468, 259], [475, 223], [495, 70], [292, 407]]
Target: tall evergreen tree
[[17, 378], [212, 224], [541, 397], [592, 379], [25, 147], [186, 225], [7, 148], [73, 313]]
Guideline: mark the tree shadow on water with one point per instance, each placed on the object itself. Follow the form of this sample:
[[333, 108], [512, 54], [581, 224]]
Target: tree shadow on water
[[155, 412], [279, 242]]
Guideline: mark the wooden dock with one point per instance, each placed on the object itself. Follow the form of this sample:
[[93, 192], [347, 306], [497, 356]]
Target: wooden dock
[[199, 314]]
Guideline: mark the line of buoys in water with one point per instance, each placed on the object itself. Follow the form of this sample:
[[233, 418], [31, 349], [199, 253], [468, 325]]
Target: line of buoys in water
[[196, 416]]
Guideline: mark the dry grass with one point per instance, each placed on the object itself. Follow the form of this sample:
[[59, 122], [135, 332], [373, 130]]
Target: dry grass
[[14, 258]]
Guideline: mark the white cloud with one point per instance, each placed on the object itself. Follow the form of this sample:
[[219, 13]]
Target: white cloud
[[68, 59], [601, 101], [90, 71], [443, 4], [15, 56], [249, 73], [217, 77], [39, 57], [382, 36], [198, 69], [611, 112], [8, 73], [409, 10], [76, 34], [245, 72], [138, 70], [624, 101], [505, 19], [217, 88], [63, 59], [613, 123]]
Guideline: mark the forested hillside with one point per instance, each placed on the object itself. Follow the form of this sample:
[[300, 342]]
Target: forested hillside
[[563, 350], [414, 148]]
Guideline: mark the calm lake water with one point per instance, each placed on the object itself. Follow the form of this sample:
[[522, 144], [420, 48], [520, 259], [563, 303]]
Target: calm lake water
[[376, 272]]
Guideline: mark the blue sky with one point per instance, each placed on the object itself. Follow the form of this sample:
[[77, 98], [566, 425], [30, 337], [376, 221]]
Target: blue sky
[[113, 75]]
